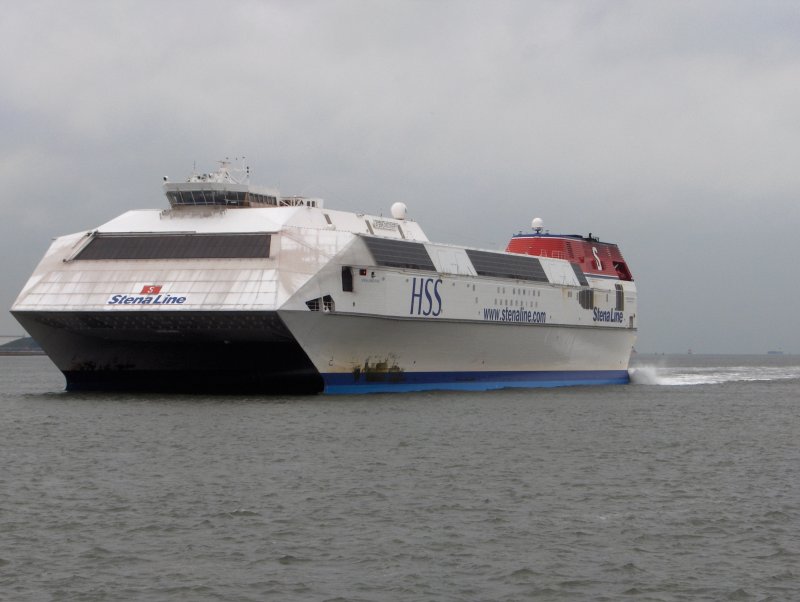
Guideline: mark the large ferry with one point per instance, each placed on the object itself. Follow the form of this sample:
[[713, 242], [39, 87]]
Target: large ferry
[[237, 289]]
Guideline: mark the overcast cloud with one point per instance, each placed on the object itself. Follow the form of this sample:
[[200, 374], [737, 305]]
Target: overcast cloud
[[671, 128]]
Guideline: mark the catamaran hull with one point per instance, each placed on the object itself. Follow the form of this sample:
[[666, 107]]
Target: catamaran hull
[[365, 354], [312, 352], [197, 352]]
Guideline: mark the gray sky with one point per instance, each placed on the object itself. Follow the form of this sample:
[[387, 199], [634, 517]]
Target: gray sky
[[671, 128]]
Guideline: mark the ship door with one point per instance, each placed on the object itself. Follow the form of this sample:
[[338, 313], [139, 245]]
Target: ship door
[[347, 279]]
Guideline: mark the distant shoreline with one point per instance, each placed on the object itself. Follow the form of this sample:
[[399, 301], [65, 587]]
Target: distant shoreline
[[21, 346]]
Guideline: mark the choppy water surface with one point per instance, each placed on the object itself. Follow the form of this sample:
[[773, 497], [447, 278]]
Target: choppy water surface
[[681, 486]]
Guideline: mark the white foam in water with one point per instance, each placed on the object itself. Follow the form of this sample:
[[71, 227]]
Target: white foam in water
[[660, 375], [646, 375]]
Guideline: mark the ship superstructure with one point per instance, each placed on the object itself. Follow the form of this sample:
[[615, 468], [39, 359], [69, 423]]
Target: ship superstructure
[[239, 289]]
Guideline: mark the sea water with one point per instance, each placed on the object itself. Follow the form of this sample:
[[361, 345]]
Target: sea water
[[684, 485]]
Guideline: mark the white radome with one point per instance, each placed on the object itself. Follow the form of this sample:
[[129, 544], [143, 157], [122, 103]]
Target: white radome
[[399, 210]]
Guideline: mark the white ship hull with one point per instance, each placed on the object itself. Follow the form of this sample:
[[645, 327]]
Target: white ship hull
[[377, 354]]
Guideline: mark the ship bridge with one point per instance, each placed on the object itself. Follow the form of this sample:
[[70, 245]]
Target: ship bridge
[[228, 187]]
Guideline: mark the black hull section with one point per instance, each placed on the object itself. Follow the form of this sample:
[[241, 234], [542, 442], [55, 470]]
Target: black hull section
[[182, 352]]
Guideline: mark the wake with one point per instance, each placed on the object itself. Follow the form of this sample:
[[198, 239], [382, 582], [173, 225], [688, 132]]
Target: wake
[[683, 375]]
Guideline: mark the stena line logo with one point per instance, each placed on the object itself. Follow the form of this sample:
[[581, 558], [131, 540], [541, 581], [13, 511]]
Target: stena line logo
[[603, 315], [150, 295]]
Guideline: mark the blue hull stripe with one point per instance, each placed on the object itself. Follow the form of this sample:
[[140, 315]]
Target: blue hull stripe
[[338, 383]]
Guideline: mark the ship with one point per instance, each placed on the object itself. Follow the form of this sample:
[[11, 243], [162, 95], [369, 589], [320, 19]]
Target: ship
[[234, 288]]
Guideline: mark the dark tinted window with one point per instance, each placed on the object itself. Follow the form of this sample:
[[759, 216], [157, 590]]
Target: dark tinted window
[[399, 253], [586, 298], [503, 265], [176, 246]]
